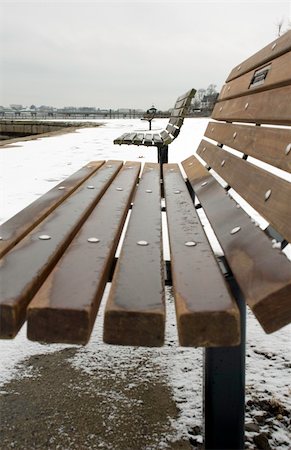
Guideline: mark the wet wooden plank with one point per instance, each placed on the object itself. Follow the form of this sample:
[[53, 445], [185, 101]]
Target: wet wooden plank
[[267, 193], [148, 139], [26, 266], [135, 311], [267, 144], [119, 140], [65, 311], [277, 74], [273, 50], [138, 139], [177, 121], [157, 139], [173, 130], [189, 95], [249, 252], [23, 222], [167, 138], [207, 315], [270, 107], [128, 138]]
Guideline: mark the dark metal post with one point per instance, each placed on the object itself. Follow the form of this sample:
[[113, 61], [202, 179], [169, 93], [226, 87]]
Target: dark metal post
[[162, 159], [224, 390]]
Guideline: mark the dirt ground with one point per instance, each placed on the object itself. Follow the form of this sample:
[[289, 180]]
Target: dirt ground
[[61, 407]]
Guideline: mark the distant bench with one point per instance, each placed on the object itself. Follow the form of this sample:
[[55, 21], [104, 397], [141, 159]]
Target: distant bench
[[164, 138], [59, 253]]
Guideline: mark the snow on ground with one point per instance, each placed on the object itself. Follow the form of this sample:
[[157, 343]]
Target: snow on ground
[[34, 167]]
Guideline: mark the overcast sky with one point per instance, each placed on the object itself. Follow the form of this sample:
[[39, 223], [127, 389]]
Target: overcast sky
[[116, 54]]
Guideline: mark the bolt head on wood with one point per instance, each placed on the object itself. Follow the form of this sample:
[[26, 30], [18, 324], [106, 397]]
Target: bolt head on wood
[[93, 240], [44, 237]]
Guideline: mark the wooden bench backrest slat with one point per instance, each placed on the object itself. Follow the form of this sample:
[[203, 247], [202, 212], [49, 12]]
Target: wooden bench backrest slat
[[32, 258], [22, 223], [135, 311], [263, 143], [64, 310], [267, 193], [270, 107], [248, 251], [211, 320], [178, 122], [263, 56], [166, 137], [278, 73], [173, 130], [189, 95]]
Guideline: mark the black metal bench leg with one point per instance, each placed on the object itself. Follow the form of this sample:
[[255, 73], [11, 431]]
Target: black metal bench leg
[[162, 159], [224, 391]]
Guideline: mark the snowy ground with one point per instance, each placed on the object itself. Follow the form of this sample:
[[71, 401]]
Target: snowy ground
[[34, 167]]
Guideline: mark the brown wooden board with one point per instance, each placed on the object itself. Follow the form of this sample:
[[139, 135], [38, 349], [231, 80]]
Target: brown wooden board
[[268, 53], [180, 112], [273, 106], [119, 140], [267, 193], [138, 139], [128, 138], [65, 307], [278, 74], [148, 139], [173, 130], [135, 311], [263, 273], [178, 122], [26, 266], [23, 222], [207, 315], [264, 143], [182, 103], [188, 94], [166, 137], [157, 139]]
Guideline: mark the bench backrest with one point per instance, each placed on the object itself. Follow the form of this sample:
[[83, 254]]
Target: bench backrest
[[177, 116], [249, 147]]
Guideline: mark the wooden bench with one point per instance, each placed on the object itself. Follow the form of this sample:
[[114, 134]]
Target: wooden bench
[[59, 253], [162, 139]]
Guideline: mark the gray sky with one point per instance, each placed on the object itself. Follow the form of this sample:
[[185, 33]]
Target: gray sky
[[126, 54]]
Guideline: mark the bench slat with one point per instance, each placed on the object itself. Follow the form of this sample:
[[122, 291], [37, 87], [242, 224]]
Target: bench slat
[[157, 139], [32, 259], [263, 56], [166, 137], [128, 138], [177, 121], [249, 252], [138, 139], [65, 311], [263, 143], [148, 139], [173, 130], [279, 74], [273, 106], [189, 94], [207, 315], [23, 222], [135, 311], [119, 140], [267, 193]]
